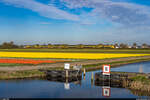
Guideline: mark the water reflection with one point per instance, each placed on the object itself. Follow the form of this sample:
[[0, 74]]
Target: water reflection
[[141, 69], [105, 85], [66, 81], [140, 93], [66, 86], [84, 77], [106, 91], [63, 79]]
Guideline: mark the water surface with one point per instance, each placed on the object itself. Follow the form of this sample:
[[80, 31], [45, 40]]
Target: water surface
[[135, 67], [41, 88]]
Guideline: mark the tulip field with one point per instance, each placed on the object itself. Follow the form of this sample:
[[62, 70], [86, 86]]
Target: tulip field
[[19, 56], [67, 55]]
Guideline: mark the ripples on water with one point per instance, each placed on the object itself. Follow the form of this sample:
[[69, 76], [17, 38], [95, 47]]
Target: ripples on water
[[42, 88]]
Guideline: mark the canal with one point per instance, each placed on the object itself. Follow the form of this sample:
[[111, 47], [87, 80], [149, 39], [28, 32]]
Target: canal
[[85, 88]]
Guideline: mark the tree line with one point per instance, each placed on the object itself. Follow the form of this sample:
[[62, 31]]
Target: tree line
[[11, 45], [8, 45]]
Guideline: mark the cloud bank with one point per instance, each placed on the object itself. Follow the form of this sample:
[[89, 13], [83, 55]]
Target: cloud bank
[[124, 13]]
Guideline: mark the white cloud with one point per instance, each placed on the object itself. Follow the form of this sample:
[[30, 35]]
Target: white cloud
[[48, 11], [119, 12]]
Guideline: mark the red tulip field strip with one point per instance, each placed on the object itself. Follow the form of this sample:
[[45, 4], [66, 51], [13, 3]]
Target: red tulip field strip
[[27, 61]]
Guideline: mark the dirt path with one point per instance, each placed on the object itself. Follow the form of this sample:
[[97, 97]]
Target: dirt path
[[85, 62]]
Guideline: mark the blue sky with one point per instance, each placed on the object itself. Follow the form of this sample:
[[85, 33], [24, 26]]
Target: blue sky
[[75, 21]]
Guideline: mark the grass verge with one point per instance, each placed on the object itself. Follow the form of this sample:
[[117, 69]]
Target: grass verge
[[113, 64], [20, 74]]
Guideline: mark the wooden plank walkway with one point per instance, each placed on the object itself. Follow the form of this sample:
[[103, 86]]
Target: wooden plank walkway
[[120, 75], [113, 76], [117, 79], [62, 73], [74, 76]]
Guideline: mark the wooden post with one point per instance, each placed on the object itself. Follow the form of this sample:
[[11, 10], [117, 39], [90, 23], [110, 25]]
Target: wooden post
[[84, 77], [84, 71], [67, 74], [92, 78], [66, 79]]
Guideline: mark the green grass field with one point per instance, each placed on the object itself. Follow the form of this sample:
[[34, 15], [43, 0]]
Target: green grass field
[[81, 50], [13, 65]]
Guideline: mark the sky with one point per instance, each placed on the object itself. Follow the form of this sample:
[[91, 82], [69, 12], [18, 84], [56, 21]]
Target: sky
[[75, 21]]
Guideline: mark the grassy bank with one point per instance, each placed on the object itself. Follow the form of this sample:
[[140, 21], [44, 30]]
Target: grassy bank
[[139, 93], [140, 83], [20, 74], [13, 65], [113, 64]]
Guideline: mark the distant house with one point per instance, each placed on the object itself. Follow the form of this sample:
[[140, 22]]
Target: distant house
[[116, 47], [145, 46], [130, 47], [136, 47]]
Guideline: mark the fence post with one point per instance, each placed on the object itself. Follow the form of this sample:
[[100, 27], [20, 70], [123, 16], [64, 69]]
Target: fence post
[[84, 77], [67, 74], [92, 79], [84, 71], [92, 76]]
